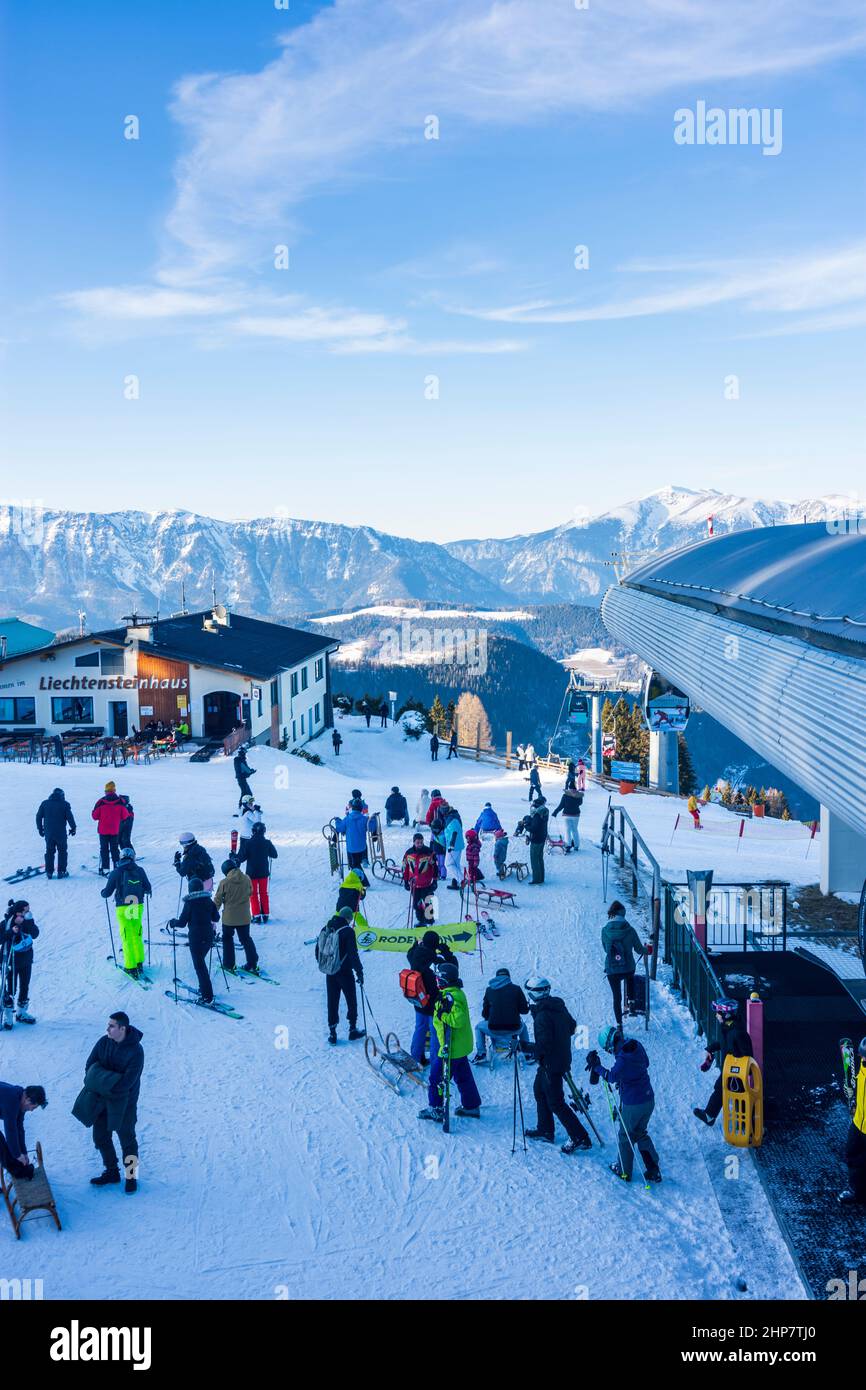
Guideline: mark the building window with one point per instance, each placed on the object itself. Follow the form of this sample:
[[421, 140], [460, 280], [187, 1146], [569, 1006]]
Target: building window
[[305, 681], [320, 669], [91, 659], [111, 661], [259, 703], [72, 709], [275, 692], [294, 686], [294, 731], [17, 711], [318, 714]]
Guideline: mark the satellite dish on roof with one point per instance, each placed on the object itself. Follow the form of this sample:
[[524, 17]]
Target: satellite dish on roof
[[220, 613]]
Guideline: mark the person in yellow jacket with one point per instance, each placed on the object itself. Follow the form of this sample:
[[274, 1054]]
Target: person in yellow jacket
[[695, 811], [855, 1145], [233, 896], [451, 1043]]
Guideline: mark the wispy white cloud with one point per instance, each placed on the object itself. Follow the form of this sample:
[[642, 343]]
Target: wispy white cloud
[[403, 345], [143, 302], [319, 325]]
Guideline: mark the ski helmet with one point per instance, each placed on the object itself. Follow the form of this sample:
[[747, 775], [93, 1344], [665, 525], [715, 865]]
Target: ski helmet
[[537, 987], [186, 838], [446, 973], [725, 1010], [247, 800], [608, 1038], [861, 1049], [127, 852]]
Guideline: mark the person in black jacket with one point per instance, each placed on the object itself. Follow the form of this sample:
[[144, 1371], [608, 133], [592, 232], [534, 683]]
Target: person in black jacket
[[15, 1103], [243, 771], [52, 820], [434, 748], [124, 834], [735, 1043], [120, 1051], [18, 931], [198, 916], [421, 957], [452, 744], [343, 979], [501, 1011], [554, 1027], [257, 853], [534, 782], [396, 810], [534, 826], [193, 861]]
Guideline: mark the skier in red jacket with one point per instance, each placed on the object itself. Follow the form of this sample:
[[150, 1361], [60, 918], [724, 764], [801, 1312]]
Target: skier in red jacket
[[420, 874], [109, 814]]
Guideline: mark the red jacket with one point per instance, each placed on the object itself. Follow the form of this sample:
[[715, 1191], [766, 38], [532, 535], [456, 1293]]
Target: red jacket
[[433, 808], [108, 812], [420, 869]]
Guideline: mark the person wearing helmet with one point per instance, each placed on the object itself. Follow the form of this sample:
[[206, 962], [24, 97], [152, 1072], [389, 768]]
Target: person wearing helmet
[[53, 819], [451, 1011], [193, 861], [130, 885], [396, 809], [855, 1144], [18, 931], [630, 1075], [554, 1027], [620, 941], [250, 815], [455, 844], [735, 1042], [473, 858]]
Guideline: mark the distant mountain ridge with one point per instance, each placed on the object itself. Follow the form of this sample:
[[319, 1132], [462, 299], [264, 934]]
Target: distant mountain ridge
[[109, 563]]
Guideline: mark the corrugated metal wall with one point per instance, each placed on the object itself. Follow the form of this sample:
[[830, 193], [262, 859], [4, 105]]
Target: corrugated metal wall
[[802, 708]]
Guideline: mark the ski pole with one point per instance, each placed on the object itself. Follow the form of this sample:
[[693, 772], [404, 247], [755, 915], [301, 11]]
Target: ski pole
[[518, 1098], [372, 1015], [174, 962], [110, 931], [446, 1083], [147, 910], [616, 1116], [363, 1009]]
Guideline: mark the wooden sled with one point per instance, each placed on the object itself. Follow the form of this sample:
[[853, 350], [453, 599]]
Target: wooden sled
[[387, 870], [400, 1062], [23, 1197], [557, 844], [518, 868], [501, 897]]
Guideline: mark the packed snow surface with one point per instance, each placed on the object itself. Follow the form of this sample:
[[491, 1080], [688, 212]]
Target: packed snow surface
[[271, 1172]]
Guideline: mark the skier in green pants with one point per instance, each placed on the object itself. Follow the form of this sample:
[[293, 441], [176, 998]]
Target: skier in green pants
[[130, 886]]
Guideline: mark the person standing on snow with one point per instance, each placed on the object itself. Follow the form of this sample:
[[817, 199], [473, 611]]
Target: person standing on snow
[[336, 739], [521, 757], [570, 803], [338, 960], [534, 782], [581, 775], [193, 860], [257, 855], [855, 1143], [454, 847], [423, 956], [535, 825], [18, 931], [620, 942], [500, 852], [383, 715], [694, 810], [352, 892], [473, 858], [735, 1043], [233, 895], [421, 807], [116, 1109], [452, 745], [451, 1011], [243, 772], [554, 1027], [420, 875], [52, 820], [109, 813], [434, 748], [199, 915], [250, 815], [354, 826], [130, 885], [630, 1075]]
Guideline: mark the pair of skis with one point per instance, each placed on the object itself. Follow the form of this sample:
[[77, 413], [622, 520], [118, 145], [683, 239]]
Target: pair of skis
[[193, 996], [487, 926], [143, 981]]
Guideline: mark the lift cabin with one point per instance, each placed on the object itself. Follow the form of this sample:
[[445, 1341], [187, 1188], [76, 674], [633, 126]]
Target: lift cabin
[[578, 709], [665, 708]]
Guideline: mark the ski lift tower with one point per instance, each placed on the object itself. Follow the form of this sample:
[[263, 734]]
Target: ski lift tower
[[585, 698]]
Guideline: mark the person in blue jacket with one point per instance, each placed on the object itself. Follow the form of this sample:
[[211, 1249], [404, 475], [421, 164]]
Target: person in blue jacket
[[630, 1075], [454, 847], [354, 826], [488, 820], [15, 1103]]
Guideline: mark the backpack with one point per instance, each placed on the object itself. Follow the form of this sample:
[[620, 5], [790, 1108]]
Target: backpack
[[413, 988], [328, 949]]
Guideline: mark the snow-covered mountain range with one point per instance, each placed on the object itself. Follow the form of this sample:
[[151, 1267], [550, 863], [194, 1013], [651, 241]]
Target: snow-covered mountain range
[[53, 563]]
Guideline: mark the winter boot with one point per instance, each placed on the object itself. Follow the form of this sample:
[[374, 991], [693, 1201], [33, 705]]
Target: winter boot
[[356, 1033], [539, 1134], [111, 1175], [703, 1116], [131, 1185], [432, 1112], [332, 1035], [48, 875], [575, 1146], [653, 1175], [6, 1016], [263, 918], [257, 921], [65, 874], [474, 1114], [454, 885], [23, 1014]]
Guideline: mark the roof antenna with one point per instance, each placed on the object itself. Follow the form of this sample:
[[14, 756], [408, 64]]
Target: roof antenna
[[213, 587], [183, 597]]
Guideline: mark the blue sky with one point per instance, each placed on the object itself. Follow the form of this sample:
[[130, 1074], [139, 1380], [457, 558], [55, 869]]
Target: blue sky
[[307, 391]]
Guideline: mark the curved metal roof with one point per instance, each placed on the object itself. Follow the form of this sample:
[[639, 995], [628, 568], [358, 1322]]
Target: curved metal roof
[[806, 580]]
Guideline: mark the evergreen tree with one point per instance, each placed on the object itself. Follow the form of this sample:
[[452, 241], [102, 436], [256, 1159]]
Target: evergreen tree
[[437, 717]]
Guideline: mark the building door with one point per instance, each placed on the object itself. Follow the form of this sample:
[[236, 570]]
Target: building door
[[118, 718], [222, 713]]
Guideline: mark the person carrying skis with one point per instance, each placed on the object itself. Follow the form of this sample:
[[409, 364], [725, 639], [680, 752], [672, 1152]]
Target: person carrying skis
[[130, 885], [116, 1110], [534, 782], [694, 810], [198, 916], [452, 744], [553, 1027], [423, 956], [420, 874], [570, 803], [243, 772], [735, 1042], [630, 1075], [434, 748], [451, 1011], [109, 813], [501, 1014], [354, 826], [421, 806], [396, 809], [473, 858], [338, 959], [18, 931], [488, 822], [454, 847], [53, 819], [535, 825], [855, 1143], [15, 1103], [352, 892], [620, 941], [193, 860], [336, 739], [257, 855], [500, 852], [233, 895]]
